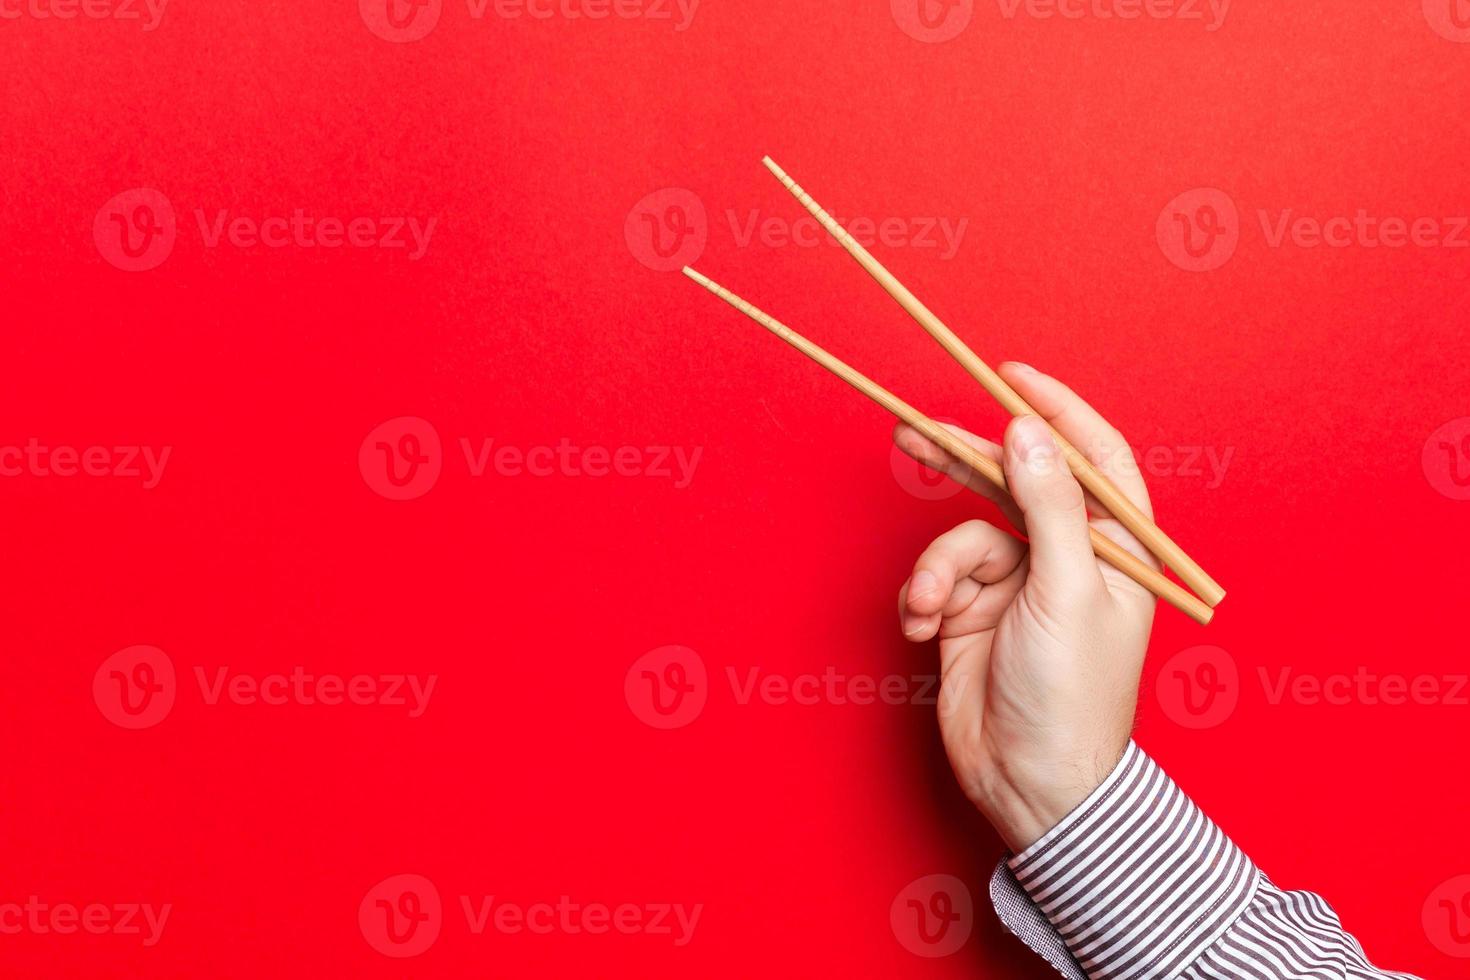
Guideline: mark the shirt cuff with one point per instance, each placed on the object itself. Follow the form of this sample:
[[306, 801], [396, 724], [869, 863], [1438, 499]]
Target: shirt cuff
[[1135, 883]]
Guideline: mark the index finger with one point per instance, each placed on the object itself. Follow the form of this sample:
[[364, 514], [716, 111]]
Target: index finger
[[918, 447]]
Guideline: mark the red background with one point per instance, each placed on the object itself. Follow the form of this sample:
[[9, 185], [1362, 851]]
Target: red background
[[529, 320]]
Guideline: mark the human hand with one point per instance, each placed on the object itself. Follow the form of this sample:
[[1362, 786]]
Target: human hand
[[1040, 645]]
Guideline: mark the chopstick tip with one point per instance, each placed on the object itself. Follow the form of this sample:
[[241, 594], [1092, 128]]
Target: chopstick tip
[[772, 167]]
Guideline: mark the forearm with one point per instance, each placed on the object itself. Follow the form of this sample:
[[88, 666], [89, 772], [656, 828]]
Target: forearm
[[1138, 884]]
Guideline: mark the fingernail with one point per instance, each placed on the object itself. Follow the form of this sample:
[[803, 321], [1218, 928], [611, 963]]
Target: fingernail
[[1034, 441], [923, 584], [1023, 367], [913, 625]]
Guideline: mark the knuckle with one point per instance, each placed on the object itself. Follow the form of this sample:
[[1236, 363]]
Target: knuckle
[[975, 528], [961, 538]]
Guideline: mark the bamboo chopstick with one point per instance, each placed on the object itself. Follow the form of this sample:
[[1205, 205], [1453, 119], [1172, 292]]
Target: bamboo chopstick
[[1107, 549], [1117, 503]]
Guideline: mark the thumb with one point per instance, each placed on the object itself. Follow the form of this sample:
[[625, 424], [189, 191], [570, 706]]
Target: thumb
[[1051, 500]]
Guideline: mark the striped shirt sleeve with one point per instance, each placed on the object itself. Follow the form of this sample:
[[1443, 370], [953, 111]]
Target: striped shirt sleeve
[[1138, 884]]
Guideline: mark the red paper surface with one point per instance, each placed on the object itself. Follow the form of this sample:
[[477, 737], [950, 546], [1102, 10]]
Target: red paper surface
[[1065, 154]]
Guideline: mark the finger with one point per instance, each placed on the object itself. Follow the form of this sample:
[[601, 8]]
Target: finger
[[1082, 426], [964, 664], [985, 609], [1051, 500], [917, 628], [920, 448], [974, 551]]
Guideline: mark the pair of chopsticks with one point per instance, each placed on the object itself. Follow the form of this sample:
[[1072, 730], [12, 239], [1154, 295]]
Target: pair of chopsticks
[[1198, 607]]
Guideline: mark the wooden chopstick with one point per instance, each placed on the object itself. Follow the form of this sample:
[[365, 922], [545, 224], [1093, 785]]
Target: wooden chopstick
[[1117, 503], [1107, 549]]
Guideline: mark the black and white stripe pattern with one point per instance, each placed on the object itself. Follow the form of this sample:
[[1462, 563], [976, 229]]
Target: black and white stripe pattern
[[1138, 884]]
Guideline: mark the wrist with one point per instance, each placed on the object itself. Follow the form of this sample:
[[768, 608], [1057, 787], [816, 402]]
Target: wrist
[[1024, 802]]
